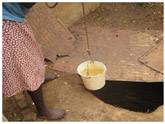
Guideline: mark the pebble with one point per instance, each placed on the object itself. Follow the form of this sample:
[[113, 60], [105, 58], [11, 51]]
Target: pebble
[[19, 118], [22, 104], [65, 83], [139, 32], [67, 110], [25, 111], [156, 40], [31, 116]]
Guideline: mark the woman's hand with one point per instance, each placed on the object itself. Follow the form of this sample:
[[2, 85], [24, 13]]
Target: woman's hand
[[28, 5]]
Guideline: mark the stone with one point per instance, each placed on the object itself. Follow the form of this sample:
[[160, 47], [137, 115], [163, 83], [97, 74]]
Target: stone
[[65, 83], [19, 118], [25, 111], [29, 115], [19, 96], [22, 104]]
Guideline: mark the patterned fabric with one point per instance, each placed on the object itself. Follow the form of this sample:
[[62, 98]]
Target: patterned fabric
[[23, 61]]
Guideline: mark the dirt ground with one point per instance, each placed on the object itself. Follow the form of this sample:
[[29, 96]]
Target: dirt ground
[[132, 16], [67, 91]]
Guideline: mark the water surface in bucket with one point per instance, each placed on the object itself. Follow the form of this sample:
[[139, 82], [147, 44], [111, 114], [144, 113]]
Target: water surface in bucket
[[92, 71]]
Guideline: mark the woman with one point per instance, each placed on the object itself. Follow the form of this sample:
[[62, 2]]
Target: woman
[[23, 61]]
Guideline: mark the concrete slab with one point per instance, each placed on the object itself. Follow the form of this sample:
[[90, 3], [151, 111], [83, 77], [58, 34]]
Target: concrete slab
[[50, 32], [118, 49], [69, 13], [154, 57]]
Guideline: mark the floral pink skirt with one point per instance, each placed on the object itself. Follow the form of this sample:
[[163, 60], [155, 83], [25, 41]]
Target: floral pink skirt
[[23, 61]]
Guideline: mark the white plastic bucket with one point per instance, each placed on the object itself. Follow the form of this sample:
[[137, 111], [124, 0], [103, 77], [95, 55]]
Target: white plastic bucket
[[92, 82]]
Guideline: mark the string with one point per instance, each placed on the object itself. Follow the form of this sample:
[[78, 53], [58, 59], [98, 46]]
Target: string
[[87, 39], [86, 31]]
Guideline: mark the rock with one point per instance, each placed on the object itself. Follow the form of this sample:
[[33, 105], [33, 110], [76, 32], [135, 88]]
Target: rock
[[157, 40], [29, 115], [67, 110], [65, 83], [19, 96], [22, 104], [19, 118], [27, 110]]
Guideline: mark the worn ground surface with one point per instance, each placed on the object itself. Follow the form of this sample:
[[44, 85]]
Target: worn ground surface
[[68, 92]]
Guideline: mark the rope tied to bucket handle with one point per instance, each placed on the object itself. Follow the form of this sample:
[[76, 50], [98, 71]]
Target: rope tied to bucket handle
[[87, 39], [86, 31]]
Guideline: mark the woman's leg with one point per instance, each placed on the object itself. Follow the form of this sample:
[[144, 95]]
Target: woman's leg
[[42, 110], [50, 76]]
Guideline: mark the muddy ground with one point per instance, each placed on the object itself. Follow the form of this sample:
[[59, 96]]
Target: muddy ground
[[67, 91]]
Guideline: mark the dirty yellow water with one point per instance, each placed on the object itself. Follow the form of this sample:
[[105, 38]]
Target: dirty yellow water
[[92, 71]]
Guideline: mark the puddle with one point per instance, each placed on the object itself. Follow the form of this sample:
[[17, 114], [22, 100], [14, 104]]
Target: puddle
[[134, 96]]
